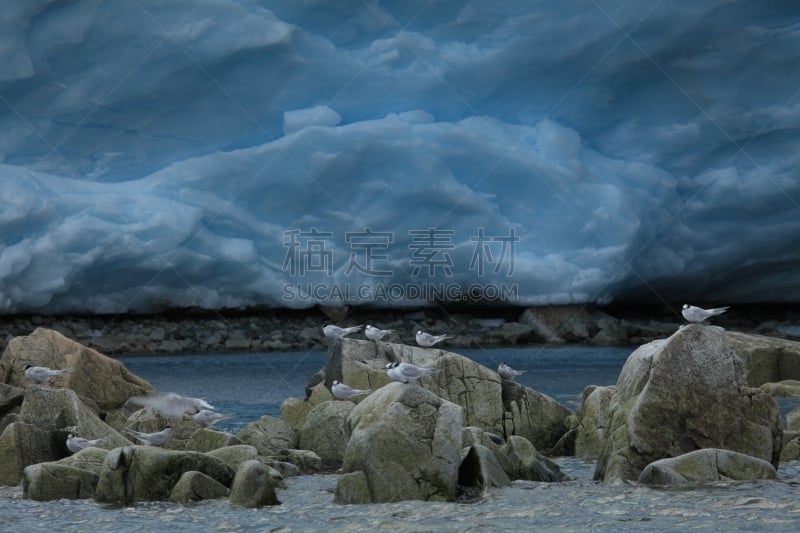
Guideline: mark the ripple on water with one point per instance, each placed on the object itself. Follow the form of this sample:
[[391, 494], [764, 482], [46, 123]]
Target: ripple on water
[[577, 505]]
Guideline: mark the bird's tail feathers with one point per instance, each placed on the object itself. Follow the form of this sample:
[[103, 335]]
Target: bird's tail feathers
[[718, 310]]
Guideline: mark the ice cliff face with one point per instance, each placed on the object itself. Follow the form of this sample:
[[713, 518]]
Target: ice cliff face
[[230, 153]]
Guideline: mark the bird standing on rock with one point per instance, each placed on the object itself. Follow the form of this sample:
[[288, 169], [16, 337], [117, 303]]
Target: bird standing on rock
[[207, 418], [376, 334], [426, 340], [158, 438], [76, 444], [341, 391], [337, 332], [698, 314], [508, 373], [42, 374], [406, 372]]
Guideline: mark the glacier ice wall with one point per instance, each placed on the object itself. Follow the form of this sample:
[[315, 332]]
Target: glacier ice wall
[[183, 153]]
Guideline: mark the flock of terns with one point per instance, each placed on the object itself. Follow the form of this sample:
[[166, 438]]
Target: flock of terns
[[175, 405], [169, 405], [402, 372]]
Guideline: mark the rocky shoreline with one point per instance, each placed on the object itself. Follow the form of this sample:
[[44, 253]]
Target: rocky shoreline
[[685, 410], [273, 330]]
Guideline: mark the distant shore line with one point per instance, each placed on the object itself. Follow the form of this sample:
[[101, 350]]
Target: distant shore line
[[279, 330]]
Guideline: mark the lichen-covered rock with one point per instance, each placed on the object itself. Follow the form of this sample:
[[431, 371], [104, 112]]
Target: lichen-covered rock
[[791, 446], [54, 481], [306, 461], [407, 442], [148, 420], [194, 486], [766, 359], [22, 445], [480, 469], [10, 398], [681, 394], [518, 458], [535, 416], [253, 486], [705, 466], [592, 420], [523, 461], [100, 378], [294, 412], [269, 435], [793, 419], [324, 432], [61, 410], [205, 440], [135, 473], [461, 380], [235, 455], [91, 459], [788, 388]]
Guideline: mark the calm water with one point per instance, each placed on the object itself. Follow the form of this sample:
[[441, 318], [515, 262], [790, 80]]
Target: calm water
[[254, 385]]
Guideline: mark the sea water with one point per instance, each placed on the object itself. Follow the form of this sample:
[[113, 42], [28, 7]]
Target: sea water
[[256, 384]]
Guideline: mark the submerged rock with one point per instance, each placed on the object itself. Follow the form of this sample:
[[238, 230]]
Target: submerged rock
[[253, 486], [195, 486], [54, 481], [705, 466], [681, 394], [480, 469], [136, 473]]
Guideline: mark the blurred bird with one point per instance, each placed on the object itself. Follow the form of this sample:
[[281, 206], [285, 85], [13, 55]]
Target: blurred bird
[[508, 373], [376, 334], [76, 444], [406, 372], [336, 331], [426, 340], [42, 374], [207, 418], [698, 314], [172, 404], [158, 438], [341, 391]]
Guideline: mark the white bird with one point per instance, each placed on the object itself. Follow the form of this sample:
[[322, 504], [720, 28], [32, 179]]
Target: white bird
[[207, 418], [172, 404], [158, 438], [42, 374], [406, 372], [76, 444], [376, 334], [698, 314], [341, 391], [336, 331], [426, 340], [506, 372]]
